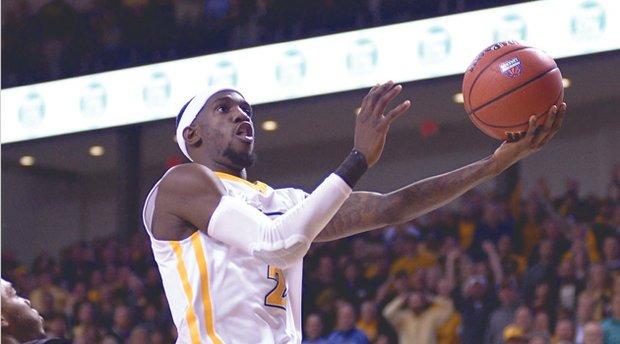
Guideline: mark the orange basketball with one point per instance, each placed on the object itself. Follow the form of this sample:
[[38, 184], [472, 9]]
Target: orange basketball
[[506, 84]]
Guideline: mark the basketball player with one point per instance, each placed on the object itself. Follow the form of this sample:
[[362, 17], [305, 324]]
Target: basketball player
[[20, 322], [230, 251]]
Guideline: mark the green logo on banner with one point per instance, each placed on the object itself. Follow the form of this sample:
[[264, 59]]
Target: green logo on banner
[[224, 74], [588, 21], [157, 90], [511, 27], [291, 68], [32, 110], [362, 57], [435, 45], [94, 100]]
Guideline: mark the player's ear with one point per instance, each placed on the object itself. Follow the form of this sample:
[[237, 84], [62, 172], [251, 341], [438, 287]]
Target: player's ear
[[190, 135]]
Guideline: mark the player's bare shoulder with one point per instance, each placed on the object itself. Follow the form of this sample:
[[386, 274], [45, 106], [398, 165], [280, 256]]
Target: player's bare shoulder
[[187, 197]]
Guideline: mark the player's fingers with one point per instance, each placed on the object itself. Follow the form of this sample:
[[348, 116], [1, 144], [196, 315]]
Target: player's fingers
[[397, 111], [544, 129], [551, 125], [557, 124], [386, 98], [531, 129], [369, 94], [382, 89]]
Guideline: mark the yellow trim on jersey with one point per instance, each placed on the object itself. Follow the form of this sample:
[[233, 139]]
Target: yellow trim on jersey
[[206, 294], [191, 317], [259, 186]]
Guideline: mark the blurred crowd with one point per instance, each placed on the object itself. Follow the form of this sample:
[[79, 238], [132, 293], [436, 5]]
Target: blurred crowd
[[45, 40], [523, 268]]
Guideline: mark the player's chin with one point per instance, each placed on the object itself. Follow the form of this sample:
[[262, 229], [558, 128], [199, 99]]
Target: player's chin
[[242, 157]]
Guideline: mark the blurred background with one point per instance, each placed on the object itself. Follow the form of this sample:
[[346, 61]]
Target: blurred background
[[72, 238]]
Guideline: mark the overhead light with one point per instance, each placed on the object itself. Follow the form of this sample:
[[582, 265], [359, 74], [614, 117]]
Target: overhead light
[[357, 111], [174, 138], [269, 125], [26, 160], [566, 82], [458, 98], [96, 151]]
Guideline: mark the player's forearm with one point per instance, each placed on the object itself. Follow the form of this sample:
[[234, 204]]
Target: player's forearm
[[366, 211]]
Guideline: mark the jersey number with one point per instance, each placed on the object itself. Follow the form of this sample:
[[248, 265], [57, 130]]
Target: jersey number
[[277, 296]]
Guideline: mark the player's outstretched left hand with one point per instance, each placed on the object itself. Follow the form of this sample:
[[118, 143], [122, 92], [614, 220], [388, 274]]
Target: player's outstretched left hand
[[537, 136]]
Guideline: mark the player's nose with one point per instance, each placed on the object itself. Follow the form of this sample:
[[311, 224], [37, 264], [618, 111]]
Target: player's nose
[[240, 115]]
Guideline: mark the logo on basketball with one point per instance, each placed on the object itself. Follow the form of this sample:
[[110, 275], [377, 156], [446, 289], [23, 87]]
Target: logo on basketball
[[511, 67]]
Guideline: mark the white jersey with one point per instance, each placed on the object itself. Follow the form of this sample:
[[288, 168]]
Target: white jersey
[[219, 294]]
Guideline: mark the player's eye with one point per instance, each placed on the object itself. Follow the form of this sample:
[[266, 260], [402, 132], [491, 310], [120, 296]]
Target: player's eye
[[222, 109]]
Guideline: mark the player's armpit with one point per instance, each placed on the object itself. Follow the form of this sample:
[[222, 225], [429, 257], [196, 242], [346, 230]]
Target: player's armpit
[[190, 193]]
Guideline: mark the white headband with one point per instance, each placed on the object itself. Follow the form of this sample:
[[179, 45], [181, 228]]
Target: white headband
[[191, 112]]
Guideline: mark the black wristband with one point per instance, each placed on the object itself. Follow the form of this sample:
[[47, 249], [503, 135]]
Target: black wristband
[[352, 168]]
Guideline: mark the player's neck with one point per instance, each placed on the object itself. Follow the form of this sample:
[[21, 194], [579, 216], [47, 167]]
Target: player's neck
[[224, 168], [232, 171]]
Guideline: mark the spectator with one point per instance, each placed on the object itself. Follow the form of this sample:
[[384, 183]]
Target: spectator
[[368, 321], [564, 332], [614, 184], [503, 315], [523, 319], [138, 335], [543, 269], [611, 254], [611, 325], [597, 288], [568, 287], [475, 306], [542, 324], [592, 334], [514, 335], [346, 332], [313, 330], [56, 325], [48, 290], [413, 257], [86, 326], [122, 323], [540, 339], [352, 286], [417, 319], [496, 222], [448, 332], [583, 315]]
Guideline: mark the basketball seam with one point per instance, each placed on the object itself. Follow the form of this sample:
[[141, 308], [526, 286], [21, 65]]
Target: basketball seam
[[518, 124], [471, 87]]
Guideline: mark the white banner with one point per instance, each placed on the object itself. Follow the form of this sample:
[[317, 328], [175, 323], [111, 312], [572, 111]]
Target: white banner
[[403, 52]]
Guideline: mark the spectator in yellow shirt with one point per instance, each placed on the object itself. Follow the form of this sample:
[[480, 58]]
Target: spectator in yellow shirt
[[413, 257], [416, 318]]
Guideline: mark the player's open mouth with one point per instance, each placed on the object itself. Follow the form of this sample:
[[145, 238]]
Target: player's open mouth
[[245, 132]]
